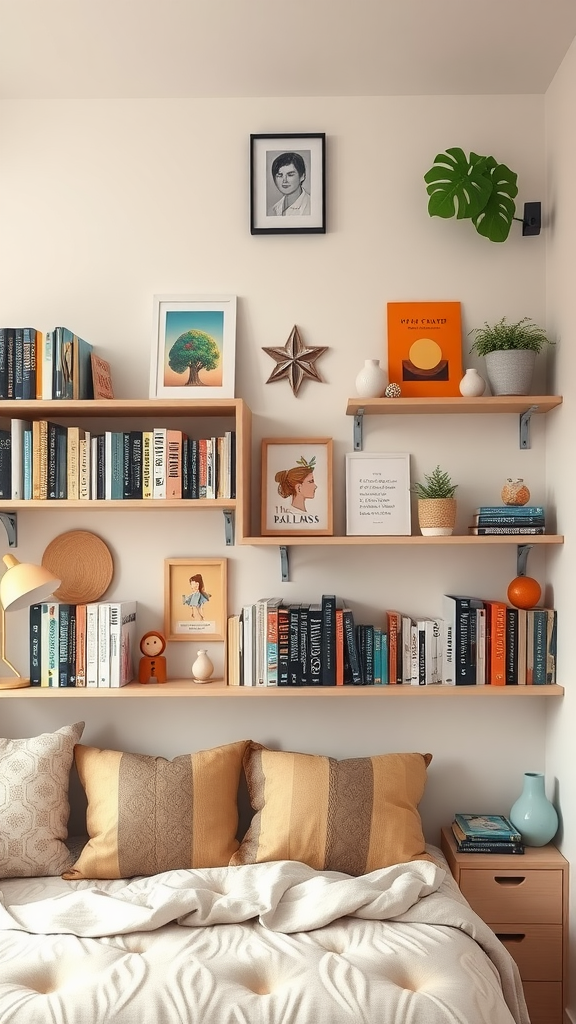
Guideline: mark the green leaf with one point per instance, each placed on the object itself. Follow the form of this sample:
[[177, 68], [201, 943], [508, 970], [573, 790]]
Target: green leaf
[[495, 220], [457, 185]]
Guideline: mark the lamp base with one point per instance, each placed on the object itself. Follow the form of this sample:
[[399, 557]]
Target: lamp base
[[13, 683]]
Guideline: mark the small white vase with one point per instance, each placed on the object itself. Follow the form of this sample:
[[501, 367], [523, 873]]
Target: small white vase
[[202, 668], [371, 381], [472, 384]]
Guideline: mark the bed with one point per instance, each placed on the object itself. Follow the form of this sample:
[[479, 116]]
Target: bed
[[259, 939]]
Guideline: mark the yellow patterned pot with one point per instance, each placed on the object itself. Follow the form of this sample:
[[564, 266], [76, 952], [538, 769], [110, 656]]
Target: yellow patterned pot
[[436, 516]]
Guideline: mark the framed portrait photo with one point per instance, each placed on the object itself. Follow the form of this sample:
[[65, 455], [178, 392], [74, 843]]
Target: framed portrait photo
[[193, 347], [288, 184], [195, 598], [378, 494], [297, 486]]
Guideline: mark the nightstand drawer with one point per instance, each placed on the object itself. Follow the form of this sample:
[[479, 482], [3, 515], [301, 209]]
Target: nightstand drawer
[[536, 948], [544, 1002], [526, 897]]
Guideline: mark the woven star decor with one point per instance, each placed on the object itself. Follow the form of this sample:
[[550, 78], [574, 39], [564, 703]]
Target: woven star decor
[[295, 361]]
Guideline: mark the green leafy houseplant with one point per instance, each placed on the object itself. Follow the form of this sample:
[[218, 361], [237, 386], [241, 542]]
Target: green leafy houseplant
[[438, 485], [477, 188], [502, 337]]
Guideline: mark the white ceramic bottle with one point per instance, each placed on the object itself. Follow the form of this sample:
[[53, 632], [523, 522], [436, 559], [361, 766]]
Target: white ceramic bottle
[[472, 384], [371, 380], [202, 668]]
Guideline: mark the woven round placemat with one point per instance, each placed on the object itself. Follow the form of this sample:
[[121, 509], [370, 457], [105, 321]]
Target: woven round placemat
[[83, 562]]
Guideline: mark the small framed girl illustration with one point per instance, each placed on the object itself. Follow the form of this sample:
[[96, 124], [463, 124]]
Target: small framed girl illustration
[[195, 598], [297, 486]]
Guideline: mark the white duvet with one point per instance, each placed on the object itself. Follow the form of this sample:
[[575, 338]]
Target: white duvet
[[272, 943]]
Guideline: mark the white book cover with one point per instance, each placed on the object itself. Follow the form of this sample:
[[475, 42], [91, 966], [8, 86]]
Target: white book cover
[[481, 646], [260, 643], [92, 644], [84, 462], [93, 467], [103, 644], [414, 653], [47, 366], [17, 428], [159, 465], [248, 638], [434, 641], [406, 650], [122, 628]]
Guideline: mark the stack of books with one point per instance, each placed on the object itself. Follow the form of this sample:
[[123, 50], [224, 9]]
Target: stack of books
[[486, 833], [512, 520]]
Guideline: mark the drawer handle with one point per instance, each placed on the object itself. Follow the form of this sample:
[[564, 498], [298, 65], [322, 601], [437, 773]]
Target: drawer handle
[[510, 937], [509, 879]]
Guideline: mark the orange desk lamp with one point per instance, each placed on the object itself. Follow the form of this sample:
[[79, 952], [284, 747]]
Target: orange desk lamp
[[22, 584]]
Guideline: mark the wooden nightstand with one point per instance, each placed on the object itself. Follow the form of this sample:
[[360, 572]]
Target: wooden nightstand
[[524, 900]]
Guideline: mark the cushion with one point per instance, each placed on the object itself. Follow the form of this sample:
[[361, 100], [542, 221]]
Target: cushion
[[34, 808], [354, 815], [146, 814]]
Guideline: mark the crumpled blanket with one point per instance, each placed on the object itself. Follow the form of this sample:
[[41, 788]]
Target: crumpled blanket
[[284, 896]]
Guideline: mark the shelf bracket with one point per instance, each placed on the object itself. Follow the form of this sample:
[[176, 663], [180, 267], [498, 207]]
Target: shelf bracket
[[10, 522], [525, 426], [228, 526], [284, 564], [522, 553], [358, 422]]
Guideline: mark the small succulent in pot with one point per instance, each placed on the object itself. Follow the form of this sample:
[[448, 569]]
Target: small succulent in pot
[[510, 351], [436, 504]]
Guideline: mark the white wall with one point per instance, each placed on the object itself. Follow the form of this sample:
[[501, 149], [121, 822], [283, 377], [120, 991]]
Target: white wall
[[104, 204], [561, 303]]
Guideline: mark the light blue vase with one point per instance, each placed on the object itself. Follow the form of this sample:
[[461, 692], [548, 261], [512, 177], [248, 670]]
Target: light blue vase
[[533, 814]]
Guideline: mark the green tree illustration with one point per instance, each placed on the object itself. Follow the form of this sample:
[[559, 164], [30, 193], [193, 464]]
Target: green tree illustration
[[193, 351]]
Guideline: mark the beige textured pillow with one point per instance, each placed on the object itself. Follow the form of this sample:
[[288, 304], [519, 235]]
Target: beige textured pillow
[[34, 808], [354, 815], [146, 814]]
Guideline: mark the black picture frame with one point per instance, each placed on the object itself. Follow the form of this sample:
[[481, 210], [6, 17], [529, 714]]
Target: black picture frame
[[269, 203]]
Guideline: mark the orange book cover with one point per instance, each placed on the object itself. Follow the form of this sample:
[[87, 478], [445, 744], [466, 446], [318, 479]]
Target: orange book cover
[[495, 643], [394, 628], [425, 348], [173, 463]]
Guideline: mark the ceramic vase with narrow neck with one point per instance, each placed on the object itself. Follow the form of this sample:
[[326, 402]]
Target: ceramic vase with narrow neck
[[533, 814], [472, 384], [371, 381], [202, 668]]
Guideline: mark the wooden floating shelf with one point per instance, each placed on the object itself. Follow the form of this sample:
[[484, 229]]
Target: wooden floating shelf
[[416, 541], [217, 688], [493, 404], [110, 408]]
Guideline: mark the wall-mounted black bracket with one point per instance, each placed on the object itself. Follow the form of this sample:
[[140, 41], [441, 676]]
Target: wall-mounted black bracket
[[358, 423], [532, 220], [10, 522]]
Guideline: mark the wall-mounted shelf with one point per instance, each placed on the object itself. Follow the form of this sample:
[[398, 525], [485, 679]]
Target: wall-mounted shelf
[[216, 688], [522, 405]]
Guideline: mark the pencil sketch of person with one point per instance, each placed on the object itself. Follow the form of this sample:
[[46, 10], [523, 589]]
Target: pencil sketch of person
[[197, 596], [298, 483], [289, 174]]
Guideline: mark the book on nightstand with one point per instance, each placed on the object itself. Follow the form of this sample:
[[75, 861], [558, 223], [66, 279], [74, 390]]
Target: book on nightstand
[[486, 833]]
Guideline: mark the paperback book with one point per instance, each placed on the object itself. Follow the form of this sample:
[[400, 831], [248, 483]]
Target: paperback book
[[492, 827]]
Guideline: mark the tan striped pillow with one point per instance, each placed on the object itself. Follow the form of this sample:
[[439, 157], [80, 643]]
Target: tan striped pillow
[[146, 814], [354, 815]]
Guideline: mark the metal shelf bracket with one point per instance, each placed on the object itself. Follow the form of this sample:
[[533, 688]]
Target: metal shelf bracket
[[10, 521], [525, 426], [228, 526], [284, 564], [522, 553], [358, 424]]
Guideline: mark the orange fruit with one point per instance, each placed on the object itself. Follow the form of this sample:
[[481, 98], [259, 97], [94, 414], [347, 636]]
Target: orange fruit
[[524, 592]]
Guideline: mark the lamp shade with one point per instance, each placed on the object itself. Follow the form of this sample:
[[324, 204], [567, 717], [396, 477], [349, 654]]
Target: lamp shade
[[24, 584]]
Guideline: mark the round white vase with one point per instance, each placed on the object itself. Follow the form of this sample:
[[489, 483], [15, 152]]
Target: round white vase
[[371, 381], [472, 384], [202, 668]]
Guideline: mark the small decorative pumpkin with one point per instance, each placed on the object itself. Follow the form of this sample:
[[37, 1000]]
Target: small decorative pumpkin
[[515, 492]]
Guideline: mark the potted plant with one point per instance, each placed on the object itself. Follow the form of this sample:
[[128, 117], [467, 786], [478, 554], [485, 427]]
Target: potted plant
[[510, 351], [436, 504]]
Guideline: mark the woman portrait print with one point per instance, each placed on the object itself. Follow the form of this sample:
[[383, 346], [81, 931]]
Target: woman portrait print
[[289, 175], [197, 596], [298, 483]]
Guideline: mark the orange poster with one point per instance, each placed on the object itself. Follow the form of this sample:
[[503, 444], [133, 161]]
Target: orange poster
[[425, 348]]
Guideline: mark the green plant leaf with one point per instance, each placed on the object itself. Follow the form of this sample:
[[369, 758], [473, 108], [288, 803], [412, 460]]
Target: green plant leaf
[[457, 185], [495, 220]]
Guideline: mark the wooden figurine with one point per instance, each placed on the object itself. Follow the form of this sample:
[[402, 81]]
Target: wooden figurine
[[153, 664]]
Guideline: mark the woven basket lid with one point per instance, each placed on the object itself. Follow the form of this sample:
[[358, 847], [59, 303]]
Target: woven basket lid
[[83, 562]]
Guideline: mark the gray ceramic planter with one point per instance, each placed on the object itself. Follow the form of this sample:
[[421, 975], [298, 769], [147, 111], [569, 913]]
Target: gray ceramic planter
[[510, 372]]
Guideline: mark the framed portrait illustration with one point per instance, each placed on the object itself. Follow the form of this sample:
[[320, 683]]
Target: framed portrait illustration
[[288, 184], [195, 599], [194, 346], [297, 486], [378, 494]]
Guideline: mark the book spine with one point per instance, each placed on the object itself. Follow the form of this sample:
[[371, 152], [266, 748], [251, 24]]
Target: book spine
[[511, 848], [35, 615], [47, 365], [17, 457], [114, 630], [63, 642], [377, 656], [53, 646], [103, 644], [294, 645], [419, 660], [173, 463], [393, 623], [202, 467], [10, 359], [315, 643], [92, 644], [368, 674], [339, 613], [194, 469], [248, 640], [5, 464], [272, 645], [328, 640], [61, 462], [18, 363], [283, 644], [81, 645], [304, 644], [73, 471], [44, 637], [28, 363], [497, 643], [147, 464], [511, 520], [507, 531], [506, 510], [551, 644], [159, 478], [136, 453], [540, 631], [128, 613], [260, 642], [351, 646], [4, 363], [84, 449], [511, 646]]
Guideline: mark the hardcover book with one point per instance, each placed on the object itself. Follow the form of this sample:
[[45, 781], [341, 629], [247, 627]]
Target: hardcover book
[[487, 826], [506, 510], [425, 348], [101, 377], [315, 643], [328, 639]]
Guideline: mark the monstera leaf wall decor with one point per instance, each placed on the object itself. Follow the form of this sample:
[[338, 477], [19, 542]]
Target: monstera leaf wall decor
[[477, 188]]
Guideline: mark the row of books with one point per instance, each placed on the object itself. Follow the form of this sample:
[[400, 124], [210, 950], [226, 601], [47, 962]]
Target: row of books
[[511, 520], [45, 460], [52, 365], [82, 644], [486, 833], [276, 643]]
